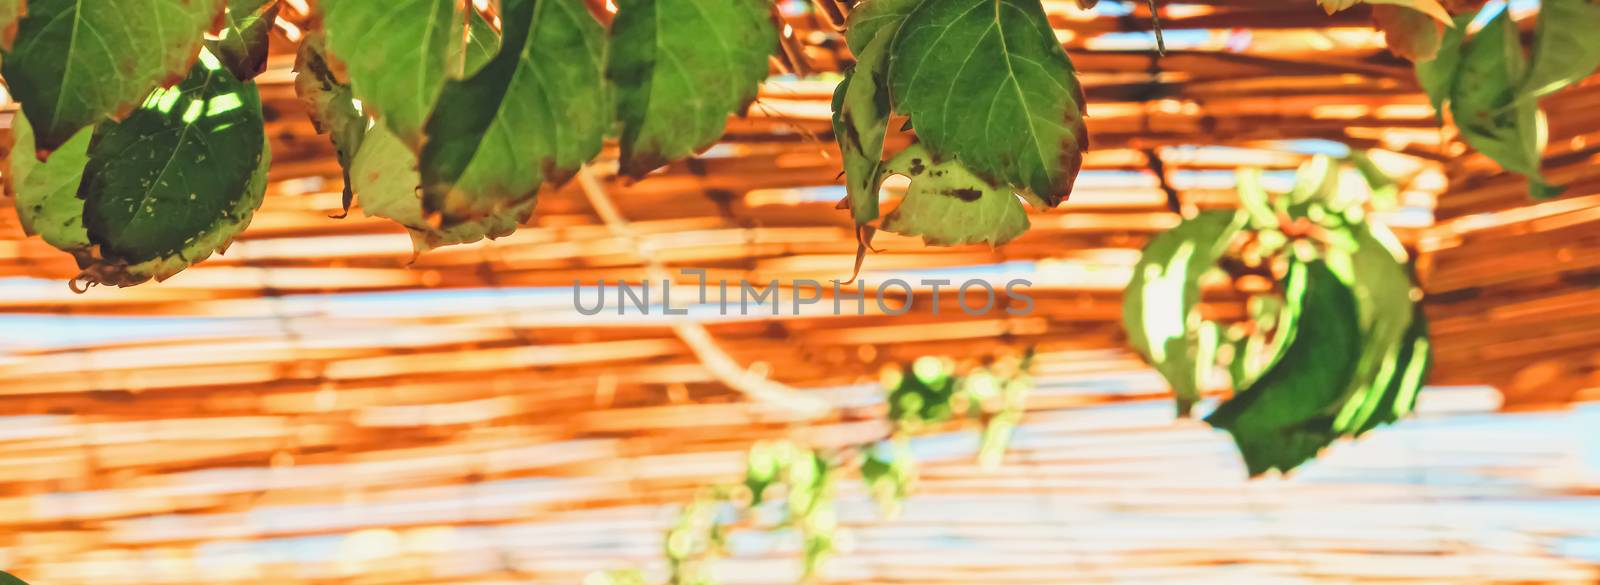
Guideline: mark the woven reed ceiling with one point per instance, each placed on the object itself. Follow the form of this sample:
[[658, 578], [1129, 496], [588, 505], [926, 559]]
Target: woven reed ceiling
[[316, 394]]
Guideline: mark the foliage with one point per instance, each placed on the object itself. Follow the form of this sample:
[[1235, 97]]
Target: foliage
[[9, 579], [450, 124], [1334, 343], [535, 112], [168, 185], [243, 42], [796, 483], [471, 114], [1491, 88], [680, 66], [65, 85], [948, 205], [1026, 137]]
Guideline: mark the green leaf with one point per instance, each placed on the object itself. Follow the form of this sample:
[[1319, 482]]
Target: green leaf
[[1369, 260], [397, 54], [1254, 199], [534, 113], [330, 105], [680, 68], [481, 46], [1566, 46], [11, 11], [1315, 181], [1437, 76], [873, 16], [1484, 105], [889, 470], [949, 206], [1160, 307], [9, 579], [47, 192], [73, 65], [1395, 392], [384, 177], [861, 116], [178, 178], [244, 39], [987, 83], [921, 394], [1385, 190], [1281, 420], [1259, 350]]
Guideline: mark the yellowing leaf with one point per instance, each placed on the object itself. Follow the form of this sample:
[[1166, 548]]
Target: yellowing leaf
[[384, 178], [1408, 33], [861, 113], [10, 12], [47, 192], [949, 206]]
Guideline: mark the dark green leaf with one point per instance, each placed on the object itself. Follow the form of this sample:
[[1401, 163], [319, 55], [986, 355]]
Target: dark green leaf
[[1159, 307], [680, 68], [9, 579], [180, 176], [1566, 46], [73, 65], [397, 55], [921, 394], [384, 177], [47, 192], [330, 105], [987, 83], [534, 113], [949, 206], [1282, 419], [243, 42], [1437, 76], [1484, 103]]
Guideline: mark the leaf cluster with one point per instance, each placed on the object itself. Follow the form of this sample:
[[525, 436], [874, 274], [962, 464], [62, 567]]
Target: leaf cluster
[[789, 486], [996, 106], [140, 146], [1490, 84], [1333, 342]]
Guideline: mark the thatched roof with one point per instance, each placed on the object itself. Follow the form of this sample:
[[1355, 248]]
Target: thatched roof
[[317, 406]]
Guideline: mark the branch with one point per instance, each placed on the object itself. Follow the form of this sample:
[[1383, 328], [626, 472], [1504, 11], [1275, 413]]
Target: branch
[[705, 348]]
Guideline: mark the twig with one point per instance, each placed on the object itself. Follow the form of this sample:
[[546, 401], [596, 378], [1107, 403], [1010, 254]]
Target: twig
[[705, 348]]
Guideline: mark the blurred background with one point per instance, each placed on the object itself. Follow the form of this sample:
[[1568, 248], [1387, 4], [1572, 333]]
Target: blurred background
[[318, 406]]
